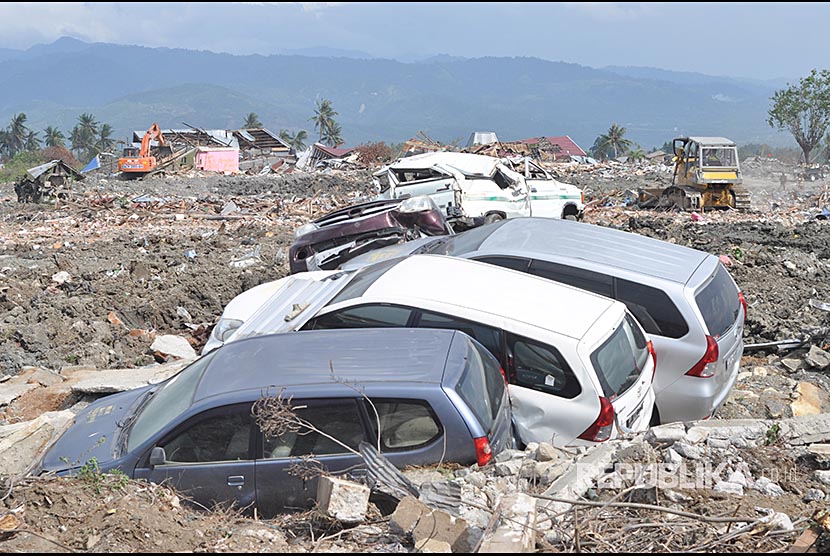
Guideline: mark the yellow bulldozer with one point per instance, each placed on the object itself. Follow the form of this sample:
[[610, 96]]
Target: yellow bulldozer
[[706, 175]]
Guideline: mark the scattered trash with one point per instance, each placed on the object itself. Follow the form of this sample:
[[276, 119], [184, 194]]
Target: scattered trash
[[190, 254], [61, 277], [249, 259]]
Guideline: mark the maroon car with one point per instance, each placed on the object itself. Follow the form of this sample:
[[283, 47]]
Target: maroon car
[[337, 237]]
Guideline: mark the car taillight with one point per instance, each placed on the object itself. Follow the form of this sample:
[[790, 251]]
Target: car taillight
[[705, 368], [484, 453], [600, 430], [742, 299], [653, 359], [504, 376]]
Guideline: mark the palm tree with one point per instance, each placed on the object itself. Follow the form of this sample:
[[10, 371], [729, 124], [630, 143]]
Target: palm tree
[[105, 140], [323, 117], [331, 136], [88, 123], [32, 141], [252, 121], [613, 140], [84, 136], [296, 141], [53, 137], [16, 134]]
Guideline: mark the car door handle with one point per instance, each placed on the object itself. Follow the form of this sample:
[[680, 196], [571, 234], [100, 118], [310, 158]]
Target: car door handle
[[445, 188], [236, 480]]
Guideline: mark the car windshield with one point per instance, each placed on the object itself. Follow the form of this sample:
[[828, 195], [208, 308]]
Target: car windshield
[[363, 280], [482, 376], [718, 303], [620, 360], [168, 402], [463, 243]]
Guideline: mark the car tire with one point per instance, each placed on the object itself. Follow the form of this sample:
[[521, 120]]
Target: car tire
[[571, 217], [493, 217]]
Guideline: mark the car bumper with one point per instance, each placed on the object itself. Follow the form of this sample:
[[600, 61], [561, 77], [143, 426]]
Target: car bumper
[[692, 398]]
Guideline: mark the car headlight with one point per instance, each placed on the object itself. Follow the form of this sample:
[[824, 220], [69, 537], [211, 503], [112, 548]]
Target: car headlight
[[306, 229], [225, 328], [421, 203]]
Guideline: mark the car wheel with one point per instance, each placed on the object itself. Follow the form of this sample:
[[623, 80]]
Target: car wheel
[[493, 217]]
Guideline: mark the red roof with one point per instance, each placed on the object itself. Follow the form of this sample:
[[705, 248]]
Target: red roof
[[333, 152], [565, 143]]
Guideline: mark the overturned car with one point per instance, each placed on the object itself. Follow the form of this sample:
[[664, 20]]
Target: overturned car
[[473, 189], [341, 235]]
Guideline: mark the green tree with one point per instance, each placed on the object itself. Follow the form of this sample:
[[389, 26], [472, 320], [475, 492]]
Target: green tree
[[803, 110], [323, 120], [53, 137], [295, 140], [332, 135], [105, 140], [32, 141], [613, 141], [252, 121], [14, 138], [85, 137]]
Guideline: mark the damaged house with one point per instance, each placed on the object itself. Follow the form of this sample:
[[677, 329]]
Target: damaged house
[[555, 149]]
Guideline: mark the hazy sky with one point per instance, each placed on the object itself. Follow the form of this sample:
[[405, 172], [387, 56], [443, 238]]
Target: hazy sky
[[761, 40]]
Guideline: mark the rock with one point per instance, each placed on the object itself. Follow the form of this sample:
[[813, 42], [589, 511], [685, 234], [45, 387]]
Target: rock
[[22, 443], [10, 392], [406, 515], [121, 380], [672, 457], [548, 471], [809, 429], [822, 476], [760, 372], [530, 449], [580, 477], [820, 451], [817, 358], [814, 495], [343, 500], [444, 527], [729, 488], [666, 434], [810, 400], [61, 277], [515, 530], [433, 546], [175, 346], [789, 265], [766, 486], [675, 496], [507, 455], [791, 365], [687, 450], [508, 468], [637, 450], [546, 452], [738, 478]]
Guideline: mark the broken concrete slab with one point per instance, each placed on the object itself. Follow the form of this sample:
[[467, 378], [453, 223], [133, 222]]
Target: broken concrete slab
[[345, 501], [817, 358], [406, 515], [792, 365], [666, 434], [174, 346], [515, 529], [120, 380], [434, 546], [811, 400], [546, 452], [809, 429], [580, 477], [822, 476], [10, 392], [738, 432], [729, 488], [22, 443]]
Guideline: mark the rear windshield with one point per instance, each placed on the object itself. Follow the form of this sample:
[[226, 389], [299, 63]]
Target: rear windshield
[[621, 359], [718, 303], [465, 242], [363, 280], [482, 374], [168, 402]]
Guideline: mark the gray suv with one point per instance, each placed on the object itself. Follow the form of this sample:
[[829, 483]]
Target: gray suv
[[685, 299], [436, 395]]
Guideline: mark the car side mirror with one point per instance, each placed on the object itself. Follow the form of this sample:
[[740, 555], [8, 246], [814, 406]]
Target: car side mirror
[[157, 456]]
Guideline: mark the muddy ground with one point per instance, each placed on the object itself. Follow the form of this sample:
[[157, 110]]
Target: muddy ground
[[92, 281]]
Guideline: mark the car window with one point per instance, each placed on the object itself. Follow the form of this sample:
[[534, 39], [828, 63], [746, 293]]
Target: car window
[[718, 302], [655, 310], [363, 280], [513, 263], [217, 438], [365, 316], [329, 425], [620, 360], [493, 376], [542, 368], [168, 402], [577, 277], [404, 424], [473, 384], [487, 336], [465, 242]]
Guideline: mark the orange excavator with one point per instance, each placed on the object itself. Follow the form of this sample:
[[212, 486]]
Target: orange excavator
[[135, 161]]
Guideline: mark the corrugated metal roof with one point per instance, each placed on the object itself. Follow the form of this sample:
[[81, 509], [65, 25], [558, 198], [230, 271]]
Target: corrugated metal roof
[[567, 146], [482, 138], [334, 152], [37, 171]]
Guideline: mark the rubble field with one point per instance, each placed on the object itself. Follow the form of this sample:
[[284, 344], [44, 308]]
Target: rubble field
[[91, 283]]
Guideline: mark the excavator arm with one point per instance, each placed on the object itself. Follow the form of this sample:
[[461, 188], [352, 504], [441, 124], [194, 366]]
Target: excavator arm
[[153, 133]]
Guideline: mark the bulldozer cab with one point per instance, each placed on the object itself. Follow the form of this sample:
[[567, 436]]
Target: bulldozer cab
[[703, 161]]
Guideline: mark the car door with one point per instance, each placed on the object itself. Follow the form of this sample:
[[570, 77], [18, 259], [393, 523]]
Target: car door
[[290, 463], [434, 181], [209, 458]]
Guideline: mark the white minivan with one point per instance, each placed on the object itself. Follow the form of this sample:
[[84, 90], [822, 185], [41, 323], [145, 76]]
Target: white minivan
[[580, 367]]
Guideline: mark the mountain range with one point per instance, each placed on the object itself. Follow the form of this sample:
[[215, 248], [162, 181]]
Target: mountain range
[[130, 87]]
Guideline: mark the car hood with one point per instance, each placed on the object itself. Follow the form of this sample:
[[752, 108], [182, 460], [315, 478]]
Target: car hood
[[94, 433], [386, 253]]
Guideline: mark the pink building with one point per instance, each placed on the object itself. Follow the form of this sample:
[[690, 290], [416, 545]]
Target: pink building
[[217, 159]]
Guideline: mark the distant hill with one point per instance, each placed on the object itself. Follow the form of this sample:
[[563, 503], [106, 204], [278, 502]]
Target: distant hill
[[131, 87]]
